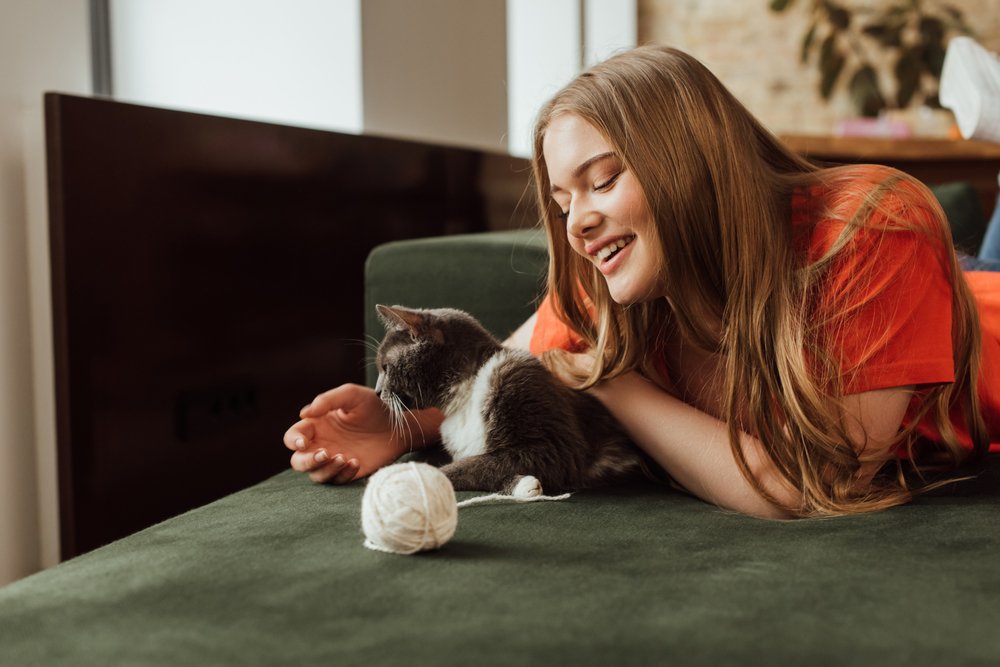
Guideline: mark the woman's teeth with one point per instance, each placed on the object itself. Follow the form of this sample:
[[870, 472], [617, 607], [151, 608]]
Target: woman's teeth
[[612, 248]]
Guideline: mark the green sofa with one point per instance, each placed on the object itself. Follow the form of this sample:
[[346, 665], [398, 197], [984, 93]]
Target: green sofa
[[628, 575]]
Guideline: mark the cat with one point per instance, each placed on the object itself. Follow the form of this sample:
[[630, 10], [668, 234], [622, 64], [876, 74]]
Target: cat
[[510, 426]]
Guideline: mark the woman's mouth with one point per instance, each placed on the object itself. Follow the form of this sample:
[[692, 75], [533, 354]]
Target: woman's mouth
[[606, 255]]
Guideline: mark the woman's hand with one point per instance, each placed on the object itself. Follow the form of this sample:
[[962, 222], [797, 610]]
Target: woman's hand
[[346, 433]]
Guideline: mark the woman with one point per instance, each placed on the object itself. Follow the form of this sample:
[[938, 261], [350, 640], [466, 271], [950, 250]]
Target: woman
[[771, 333]]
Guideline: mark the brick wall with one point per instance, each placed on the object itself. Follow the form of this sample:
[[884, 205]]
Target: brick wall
[[756, 52]]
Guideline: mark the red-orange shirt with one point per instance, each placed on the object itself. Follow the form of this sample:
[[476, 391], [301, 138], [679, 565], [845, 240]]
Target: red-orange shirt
[[898, 328]]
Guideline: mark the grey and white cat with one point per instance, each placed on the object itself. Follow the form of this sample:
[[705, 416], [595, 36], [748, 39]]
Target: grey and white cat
[[510, 425]]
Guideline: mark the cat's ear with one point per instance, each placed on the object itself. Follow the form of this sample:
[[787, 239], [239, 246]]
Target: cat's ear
[[405, 318]]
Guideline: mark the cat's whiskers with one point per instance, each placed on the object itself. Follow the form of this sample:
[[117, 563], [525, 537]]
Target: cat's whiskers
[[395, 425], [417, 421], [398, 420], [371, 345], [403, 420]]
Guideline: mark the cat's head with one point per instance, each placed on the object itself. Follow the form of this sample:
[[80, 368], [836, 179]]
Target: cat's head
[[426, 353]]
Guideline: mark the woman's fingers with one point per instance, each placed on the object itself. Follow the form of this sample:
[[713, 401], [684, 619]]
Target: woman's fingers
[[322, 467], [344, 397], [348, 473], [310, 461], [320, 428], [337, 471], [298, 436]]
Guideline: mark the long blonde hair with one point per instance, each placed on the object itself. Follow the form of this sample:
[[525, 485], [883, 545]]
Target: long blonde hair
[[720, 188]]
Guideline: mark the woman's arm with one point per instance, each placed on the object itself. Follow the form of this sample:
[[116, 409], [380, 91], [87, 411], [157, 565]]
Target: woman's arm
[[693, 446], [521, 339], [346, 433]]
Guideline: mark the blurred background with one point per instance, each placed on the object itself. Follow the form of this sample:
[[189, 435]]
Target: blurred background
[[466, 73]]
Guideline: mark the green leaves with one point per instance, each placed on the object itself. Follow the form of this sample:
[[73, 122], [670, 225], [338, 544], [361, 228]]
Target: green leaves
[[840, 18], [807, 42], [888, 34], [865, 92], [932, 43], [908, 75], [853, 35], [831, 64]]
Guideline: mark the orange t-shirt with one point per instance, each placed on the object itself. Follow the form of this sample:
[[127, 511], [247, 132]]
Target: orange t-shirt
[[897, 330]]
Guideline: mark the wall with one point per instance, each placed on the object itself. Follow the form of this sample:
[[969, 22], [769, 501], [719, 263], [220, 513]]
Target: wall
[[44, 45], [296, 62], [434, 70], [756, 53]]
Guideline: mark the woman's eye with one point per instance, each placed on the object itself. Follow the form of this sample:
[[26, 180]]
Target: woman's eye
[[608, 183], [563, 215]]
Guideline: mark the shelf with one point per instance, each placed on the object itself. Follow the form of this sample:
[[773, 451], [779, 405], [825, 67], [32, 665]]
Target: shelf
[[933, 161]]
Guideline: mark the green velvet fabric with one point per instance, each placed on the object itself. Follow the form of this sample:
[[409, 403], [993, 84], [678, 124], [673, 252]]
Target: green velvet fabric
[[629, 575], [496, 277], [277, 575], [961, 203]]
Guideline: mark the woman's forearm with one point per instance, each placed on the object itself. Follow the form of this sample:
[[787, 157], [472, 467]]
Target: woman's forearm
[[693, 447]]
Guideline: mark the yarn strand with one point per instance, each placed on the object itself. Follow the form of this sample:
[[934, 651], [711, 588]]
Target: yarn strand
[[499, 497], [411, 507]]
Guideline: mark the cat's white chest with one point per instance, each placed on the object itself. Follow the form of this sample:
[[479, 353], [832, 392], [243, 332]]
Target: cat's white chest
[[463, 431]]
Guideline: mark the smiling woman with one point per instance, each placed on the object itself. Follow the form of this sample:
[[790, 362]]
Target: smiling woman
[[607, 219], [769, 332]]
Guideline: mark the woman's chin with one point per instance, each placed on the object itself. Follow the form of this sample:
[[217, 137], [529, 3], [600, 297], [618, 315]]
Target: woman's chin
[[625, 298], [628, 295]]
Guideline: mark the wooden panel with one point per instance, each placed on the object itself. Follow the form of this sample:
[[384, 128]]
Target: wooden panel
[[933, 161], [208, 282]]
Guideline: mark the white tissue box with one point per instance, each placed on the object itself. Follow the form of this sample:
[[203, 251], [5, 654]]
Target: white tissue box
[[970, 87]]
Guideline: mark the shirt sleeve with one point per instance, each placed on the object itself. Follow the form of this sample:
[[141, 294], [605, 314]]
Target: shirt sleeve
[[886, 304], [552, 334]]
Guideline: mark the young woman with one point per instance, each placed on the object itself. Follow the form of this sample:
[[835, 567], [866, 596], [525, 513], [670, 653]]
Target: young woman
[[771, 333]]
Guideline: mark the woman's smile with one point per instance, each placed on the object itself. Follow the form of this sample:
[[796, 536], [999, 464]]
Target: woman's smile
[[607, 219], [609, 255]]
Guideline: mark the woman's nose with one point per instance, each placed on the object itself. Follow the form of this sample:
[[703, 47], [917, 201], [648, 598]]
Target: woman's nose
[[582, 221]]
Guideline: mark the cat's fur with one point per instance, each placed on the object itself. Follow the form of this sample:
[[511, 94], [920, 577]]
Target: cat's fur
[[510, 425]]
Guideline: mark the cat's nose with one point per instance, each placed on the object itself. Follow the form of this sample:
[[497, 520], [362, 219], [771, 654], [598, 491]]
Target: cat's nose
[[378, 385]]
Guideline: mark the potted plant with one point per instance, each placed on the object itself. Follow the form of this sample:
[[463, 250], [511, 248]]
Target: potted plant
[[855, 38]]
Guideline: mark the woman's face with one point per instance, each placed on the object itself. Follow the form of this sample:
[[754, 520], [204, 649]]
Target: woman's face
[[607, 219]]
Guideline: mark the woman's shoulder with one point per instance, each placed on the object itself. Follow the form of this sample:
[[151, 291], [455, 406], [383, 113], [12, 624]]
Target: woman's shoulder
[[844, 191], [863, 203]]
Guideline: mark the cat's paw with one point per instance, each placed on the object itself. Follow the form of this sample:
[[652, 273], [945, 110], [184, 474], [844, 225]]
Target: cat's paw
[[527, 487]]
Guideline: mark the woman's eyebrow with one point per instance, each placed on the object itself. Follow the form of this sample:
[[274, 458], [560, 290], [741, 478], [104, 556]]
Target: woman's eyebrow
[[584, 167]]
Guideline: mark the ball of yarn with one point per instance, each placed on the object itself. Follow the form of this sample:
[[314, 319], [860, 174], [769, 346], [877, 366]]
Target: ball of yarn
[[408, 507]]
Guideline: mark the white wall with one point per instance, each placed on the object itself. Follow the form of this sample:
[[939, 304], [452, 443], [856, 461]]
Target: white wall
[[434, 70], [296, 62], [462, 72], [44, 45], [610, 26], [544, 52], [547, 45]]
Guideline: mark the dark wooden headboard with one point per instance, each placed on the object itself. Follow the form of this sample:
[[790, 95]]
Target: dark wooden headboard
[[207, 283]]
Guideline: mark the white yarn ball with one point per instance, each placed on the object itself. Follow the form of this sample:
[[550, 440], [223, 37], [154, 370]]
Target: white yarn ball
[[408, 507]]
